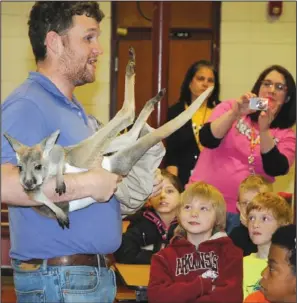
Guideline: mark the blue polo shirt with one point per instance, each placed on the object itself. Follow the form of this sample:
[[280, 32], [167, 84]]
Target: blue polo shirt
[[32, 112]]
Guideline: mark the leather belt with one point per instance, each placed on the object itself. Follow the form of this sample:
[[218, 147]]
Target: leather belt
[[73, 260]]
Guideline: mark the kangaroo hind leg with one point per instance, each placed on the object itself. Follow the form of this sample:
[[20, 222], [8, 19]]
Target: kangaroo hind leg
[[131, 136]]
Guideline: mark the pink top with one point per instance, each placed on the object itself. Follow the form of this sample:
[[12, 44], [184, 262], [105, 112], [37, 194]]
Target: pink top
[[226, 166]]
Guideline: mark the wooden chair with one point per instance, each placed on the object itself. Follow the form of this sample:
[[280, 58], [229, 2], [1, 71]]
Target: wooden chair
[[125, 224], [135, 278]]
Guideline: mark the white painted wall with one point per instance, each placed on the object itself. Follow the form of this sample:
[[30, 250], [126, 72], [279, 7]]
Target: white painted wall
[[250, 42]]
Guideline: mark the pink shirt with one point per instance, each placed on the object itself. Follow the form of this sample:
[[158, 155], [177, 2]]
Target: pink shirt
[[226, 166]]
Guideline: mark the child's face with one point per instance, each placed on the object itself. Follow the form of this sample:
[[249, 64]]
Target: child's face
[[198, 217], [278, 283], [261, 226], [168, 200], [245, 198]]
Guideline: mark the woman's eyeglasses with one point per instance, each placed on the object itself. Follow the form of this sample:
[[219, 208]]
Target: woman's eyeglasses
[[280, 87]]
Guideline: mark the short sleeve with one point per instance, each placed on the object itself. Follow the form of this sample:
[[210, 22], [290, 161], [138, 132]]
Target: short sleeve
[[24, 121]]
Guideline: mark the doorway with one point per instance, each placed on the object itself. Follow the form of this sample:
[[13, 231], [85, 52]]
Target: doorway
[[194, 35]]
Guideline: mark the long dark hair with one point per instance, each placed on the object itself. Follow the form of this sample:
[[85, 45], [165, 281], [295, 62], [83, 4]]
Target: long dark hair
[[287, 115], [185, 92]]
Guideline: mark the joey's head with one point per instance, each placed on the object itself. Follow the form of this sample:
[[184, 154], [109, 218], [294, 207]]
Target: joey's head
[[32, 168], [33, 161]]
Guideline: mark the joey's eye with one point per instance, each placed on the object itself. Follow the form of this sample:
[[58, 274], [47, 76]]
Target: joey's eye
[[38, 167], [20, 168]]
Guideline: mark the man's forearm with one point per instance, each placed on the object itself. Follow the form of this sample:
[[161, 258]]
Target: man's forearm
[[221, 125], [12, 192]]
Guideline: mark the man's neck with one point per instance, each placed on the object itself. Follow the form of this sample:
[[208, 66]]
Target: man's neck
[[263, 250], [52, 73]]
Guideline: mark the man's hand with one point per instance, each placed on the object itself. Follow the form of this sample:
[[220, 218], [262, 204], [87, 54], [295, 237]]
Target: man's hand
[[102, 184], [158, 184]]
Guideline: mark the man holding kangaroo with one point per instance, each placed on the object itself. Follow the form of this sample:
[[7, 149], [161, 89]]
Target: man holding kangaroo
[[51, 264]]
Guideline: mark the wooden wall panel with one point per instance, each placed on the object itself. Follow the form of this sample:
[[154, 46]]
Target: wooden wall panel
[[182, 54], [184, 14], [194, 35], [191, 14], [129, 16], [143, 79]]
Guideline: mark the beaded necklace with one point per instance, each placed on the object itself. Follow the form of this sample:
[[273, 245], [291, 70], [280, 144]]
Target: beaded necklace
[[253, 143]]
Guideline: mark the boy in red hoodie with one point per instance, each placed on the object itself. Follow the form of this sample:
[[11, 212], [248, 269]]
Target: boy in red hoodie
[[203, 264]]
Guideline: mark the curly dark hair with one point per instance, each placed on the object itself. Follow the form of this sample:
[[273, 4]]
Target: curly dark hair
[[46, 16], [285, 237], [185, 92], [287, 116]]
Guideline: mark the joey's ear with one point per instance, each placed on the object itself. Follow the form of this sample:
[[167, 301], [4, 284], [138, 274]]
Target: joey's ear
[[15, 144], [49, 142]]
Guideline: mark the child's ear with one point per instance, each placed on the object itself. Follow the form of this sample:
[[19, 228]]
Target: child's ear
[[238, 206]]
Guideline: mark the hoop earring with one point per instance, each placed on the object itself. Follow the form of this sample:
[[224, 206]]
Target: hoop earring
[[288, 99]]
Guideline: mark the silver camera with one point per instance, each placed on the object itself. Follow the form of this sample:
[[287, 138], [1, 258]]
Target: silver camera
[[258, 103]]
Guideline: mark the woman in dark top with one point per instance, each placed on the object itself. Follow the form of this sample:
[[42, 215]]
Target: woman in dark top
[[183, 146]]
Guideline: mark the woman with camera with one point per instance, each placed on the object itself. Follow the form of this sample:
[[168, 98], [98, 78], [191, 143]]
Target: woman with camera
[[240, 141]]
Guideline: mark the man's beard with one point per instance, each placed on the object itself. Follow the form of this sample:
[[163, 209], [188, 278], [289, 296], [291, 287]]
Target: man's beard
[[80, 75], [74, 70]]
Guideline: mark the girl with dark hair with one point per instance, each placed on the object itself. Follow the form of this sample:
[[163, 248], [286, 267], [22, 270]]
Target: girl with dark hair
[[183, 146], [241, 141], [151, 229]]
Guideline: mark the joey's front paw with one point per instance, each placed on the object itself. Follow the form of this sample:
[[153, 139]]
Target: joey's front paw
[[64, 222], [61, 188], [62, 218]]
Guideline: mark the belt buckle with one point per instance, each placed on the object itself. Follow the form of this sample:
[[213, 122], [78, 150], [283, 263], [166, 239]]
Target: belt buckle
[[28, 267]]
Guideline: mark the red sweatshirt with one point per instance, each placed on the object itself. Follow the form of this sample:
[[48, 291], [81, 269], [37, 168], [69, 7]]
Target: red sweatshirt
[[180, 273]]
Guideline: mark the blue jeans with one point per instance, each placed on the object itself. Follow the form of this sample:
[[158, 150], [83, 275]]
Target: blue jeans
[[232, 221], [55, 284]]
